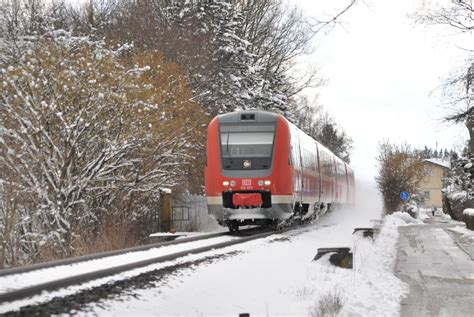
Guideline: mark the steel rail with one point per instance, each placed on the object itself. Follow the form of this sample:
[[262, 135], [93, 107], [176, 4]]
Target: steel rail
[[95, 256], [81, 278]]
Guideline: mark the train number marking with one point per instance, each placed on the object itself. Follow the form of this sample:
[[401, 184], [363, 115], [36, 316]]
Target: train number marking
[[246, 182]]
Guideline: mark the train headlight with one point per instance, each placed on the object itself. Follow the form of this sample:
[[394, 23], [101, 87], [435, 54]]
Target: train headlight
[[260, 183], [232, 183], [268, 182], [225, 183]]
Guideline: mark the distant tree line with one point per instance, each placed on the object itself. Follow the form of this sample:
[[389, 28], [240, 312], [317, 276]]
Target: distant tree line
[[428, 153]]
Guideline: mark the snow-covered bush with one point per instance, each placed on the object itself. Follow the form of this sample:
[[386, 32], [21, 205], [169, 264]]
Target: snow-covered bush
[[411, 208], [328, 305], [468, 218], [87, 136], [458, 191]]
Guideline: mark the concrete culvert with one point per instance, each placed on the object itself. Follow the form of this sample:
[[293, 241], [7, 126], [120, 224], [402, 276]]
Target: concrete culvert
[[341, 257]]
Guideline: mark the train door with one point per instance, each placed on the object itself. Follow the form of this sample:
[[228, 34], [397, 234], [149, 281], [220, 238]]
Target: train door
[[319, 178], [297, 166], [335, 187], [346, 180]]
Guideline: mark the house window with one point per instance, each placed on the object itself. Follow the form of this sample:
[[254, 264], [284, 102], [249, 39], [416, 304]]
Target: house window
[[426, 194], [428, 173]]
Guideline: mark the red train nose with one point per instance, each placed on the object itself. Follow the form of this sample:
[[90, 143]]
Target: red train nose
[[241, 200]]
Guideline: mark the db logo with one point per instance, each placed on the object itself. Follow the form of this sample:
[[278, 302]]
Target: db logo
[[246, 182]]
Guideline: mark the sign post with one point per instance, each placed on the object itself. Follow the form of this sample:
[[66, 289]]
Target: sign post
[[404, 196]]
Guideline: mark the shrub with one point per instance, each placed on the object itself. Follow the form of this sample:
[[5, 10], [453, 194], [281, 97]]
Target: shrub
[[88, 134], [328, 305], [468, 218], [400, 169], [457, 202]]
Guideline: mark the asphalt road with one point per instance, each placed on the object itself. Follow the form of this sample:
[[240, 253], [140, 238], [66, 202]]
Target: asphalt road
[[438, 265]]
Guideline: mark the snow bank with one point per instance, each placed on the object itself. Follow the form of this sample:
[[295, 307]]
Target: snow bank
[[422, 215], [459, 195], [371, 288], [468, 212], [376, 291], [402, 218]]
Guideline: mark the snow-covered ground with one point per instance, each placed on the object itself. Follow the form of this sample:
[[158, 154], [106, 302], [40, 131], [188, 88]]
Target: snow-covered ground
[[277, 277], [436, 260], [18, 281]]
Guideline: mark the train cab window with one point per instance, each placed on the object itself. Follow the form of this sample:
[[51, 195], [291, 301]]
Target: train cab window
[[249, 144]]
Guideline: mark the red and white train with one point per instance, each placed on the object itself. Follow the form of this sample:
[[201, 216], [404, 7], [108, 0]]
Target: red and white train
[[261, 169]]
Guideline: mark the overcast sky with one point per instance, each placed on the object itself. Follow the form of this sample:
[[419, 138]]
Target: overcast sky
[[382, 70]]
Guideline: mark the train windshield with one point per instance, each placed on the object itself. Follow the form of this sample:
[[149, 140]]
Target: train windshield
[[246, 144]]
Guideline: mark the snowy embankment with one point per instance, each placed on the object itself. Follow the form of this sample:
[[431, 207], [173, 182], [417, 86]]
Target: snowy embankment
[[371, 288], [375, 291]]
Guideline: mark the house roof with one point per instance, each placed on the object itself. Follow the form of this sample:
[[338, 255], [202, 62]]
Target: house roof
[[439, 162]]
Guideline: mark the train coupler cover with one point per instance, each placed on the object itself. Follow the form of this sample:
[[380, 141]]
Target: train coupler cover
[[251, 199]]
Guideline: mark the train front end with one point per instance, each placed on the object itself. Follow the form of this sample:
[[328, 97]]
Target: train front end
[[248, 176]]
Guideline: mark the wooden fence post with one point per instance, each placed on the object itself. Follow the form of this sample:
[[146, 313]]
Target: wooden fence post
[[166, 216]]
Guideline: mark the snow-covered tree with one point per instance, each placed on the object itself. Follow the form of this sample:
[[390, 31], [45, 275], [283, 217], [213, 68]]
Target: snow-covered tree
[[206, 37], [458, 191], [337, 141], [313, 120]]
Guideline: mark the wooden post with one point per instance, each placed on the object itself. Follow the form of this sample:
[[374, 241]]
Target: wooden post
[[470, 127], [166, 216], [470, 116]]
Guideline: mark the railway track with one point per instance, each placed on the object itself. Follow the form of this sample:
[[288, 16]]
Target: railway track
[[24, 292]]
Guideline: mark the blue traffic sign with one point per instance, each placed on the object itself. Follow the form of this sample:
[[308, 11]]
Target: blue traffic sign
[[404, 196]]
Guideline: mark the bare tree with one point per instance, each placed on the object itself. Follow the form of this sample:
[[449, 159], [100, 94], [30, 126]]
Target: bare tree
[[279, 33], [400, 169], [458, 14], [458, 90], [327, 24]]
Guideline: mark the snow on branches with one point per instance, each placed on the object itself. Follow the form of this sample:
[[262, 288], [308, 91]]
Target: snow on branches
[[84, 134]]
